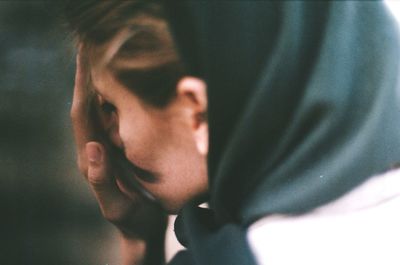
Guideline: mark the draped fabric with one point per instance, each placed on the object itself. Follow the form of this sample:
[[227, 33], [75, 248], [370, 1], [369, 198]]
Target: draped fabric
[[303, 106]]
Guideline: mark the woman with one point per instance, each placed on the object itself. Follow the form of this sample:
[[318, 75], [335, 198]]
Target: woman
[[302, 108]]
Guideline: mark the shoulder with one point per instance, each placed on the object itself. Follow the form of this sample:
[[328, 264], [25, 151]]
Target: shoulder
[[359, 228]]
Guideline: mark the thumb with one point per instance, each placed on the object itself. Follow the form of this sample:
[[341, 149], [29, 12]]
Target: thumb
[[98, 171], [111, 200]]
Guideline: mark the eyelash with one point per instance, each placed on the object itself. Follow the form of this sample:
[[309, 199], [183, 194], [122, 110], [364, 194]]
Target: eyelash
[[108, 108]]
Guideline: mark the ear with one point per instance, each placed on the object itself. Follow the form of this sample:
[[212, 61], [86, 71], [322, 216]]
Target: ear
[[193, 91]]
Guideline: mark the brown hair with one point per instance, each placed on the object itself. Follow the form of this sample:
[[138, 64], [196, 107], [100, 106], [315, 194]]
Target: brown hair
[[132, 39]]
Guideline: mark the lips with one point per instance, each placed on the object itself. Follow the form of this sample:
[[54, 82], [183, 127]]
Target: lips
[[128, 175], [125, 188]]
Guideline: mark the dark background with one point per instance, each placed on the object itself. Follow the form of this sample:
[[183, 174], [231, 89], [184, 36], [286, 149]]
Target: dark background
[[47, 213]]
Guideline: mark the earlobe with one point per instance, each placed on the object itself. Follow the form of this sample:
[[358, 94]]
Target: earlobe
[[201, 138], [193, 90]]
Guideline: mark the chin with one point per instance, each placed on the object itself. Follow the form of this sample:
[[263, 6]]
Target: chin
[[174, 207]]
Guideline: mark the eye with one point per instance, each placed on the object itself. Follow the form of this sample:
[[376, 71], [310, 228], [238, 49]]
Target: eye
[[107, 107]]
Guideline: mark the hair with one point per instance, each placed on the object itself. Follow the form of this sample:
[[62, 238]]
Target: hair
[[132, 39]]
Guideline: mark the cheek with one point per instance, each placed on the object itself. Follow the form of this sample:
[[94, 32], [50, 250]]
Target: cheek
[[139, 141]]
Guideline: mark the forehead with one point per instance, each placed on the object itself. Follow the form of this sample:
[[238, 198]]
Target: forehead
[[103, 82]]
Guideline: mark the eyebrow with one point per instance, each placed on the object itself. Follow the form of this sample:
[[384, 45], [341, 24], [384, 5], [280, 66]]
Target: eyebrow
[[93, 88]]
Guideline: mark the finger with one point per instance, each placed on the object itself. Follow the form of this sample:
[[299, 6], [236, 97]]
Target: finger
[[83, 127], [113, 203], [82, 78], [135, 217], [80, 109]]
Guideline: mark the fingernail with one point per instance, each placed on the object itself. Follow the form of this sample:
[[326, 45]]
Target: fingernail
[[93, 153]]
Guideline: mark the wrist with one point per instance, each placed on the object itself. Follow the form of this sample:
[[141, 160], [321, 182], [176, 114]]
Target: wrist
[[133, 251], [136, 251]]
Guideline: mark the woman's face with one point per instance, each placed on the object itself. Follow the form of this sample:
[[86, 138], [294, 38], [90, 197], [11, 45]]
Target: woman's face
[[166, 142]]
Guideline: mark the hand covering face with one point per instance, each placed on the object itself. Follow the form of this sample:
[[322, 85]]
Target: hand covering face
[[303, 107]]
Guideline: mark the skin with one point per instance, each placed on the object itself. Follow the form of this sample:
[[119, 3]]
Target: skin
[[170, 144], [159, 141]]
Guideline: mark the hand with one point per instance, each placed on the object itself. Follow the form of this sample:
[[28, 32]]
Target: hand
[[142, 223]]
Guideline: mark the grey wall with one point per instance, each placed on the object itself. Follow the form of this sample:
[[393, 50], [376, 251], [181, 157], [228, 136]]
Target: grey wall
[[47, 214]]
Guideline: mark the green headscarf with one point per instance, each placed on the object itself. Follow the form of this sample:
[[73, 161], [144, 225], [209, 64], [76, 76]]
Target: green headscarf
[[303, 107]]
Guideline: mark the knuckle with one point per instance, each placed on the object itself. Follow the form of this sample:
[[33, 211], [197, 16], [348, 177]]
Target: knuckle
[[114, 216], [82, 166], [77, 109], [98, 179], [74, 111], [97, 182]]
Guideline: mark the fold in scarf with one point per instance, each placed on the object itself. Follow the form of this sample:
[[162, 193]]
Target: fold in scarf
[[303, 106]]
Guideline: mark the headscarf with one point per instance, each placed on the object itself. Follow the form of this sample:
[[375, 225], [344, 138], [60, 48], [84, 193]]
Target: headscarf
[[303, 106]]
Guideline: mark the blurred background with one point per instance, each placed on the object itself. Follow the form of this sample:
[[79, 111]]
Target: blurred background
[[47, 213]]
